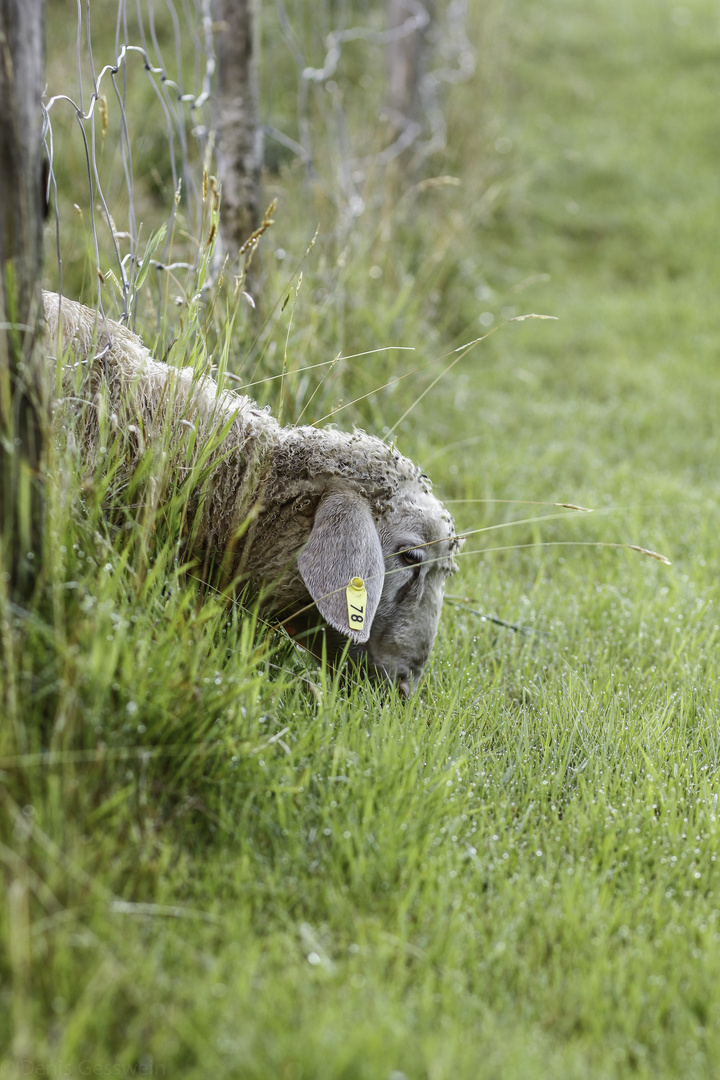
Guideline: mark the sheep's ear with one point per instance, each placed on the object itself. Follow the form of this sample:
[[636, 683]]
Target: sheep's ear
[[344, 545]]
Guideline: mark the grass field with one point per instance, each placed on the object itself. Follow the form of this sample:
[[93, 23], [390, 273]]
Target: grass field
[[221, 861]]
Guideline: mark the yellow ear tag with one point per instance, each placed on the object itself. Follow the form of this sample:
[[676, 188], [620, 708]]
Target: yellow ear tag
[[356, 602]]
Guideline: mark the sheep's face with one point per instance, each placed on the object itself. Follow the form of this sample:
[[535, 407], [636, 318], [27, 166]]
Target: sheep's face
[[404, 558], [418, 543]]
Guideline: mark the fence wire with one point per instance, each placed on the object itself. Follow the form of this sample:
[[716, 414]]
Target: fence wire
[[185, 111], [147, 153]]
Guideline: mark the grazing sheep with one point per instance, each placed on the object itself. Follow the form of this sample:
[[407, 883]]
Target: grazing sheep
[[297, 513]]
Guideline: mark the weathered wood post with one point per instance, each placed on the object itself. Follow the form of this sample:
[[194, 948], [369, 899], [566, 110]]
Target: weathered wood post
[[23, 411], [408, 23], [240, 144]]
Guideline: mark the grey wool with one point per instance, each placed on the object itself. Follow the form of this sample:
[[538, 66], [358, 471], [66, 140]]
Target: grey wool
[[293, 513]]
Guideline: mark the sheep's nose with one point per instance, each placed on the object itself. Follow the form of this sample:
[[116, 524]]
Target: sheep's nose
[[404, 685]]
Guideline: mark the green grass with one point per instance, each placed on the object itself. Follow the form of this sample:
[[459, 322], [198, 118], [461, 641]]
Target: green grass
[[221, 860]]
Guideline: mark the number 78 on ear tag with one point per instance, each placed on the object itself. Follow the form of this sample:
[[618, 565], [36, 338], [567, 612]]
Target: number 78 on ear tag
[[356, 602]]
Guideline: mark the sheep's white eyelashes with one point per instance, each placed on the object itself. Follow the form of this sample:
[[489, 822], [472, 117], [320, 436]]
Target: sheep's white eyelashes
[[293, 512]]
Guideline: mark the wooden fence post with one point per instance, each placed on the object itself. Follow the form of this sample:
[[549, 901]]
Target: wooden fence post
[[23, 411], [240, 146]]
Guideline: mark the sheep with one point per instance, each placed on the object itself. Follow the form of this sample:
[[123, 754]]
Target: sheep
[[297, 514]]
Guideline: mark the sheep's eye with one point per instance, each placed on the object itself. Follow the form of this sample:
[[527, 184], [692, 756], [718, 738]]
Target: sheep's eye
[[411, 556]]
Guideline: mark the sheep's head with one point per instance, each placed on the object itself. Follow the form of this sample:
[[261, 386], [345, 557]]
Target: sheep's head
[[402, 562]]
